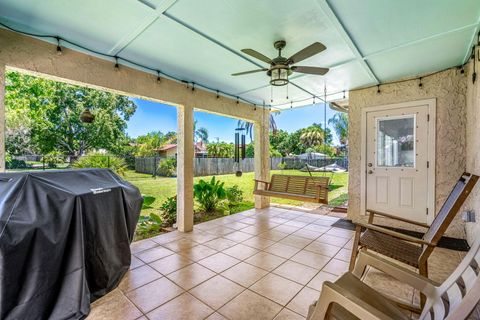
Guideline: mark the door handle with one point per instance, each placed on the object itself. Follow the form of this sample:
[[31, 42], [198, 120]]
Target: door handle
[[370, 171]]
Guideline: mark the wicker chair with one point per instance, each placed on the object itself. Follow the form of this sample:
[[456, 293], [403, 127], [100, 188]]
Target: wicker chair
[[407, 249], [350, 298]]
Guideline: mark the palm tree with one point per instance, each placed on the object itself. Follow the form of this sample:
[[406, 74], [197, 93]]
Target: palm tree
[[200, 133], [248, 126], [340, 124], [312, 137]]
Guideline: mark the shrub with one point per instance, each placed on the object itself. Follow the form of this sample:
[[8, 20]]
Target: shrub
[[209, 194], [99, 160], [149, 224], [16, 164], [53, 158], [147, 202], [282, 165], [167, 167], [169, 211], [234, 195]]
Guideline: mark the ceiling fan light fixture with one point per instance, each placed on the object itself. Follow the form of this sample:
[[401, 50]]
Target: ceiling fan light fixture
[[279, 77]]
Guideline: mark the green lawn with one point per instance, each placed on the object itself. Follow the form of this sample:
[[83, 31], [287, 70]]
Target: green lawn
[[161, 187]]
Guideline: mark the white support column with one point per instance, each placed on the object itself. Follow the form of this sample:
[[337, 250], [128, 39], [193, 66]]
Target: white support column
[[262, 155], [2, 118], [185, 154]]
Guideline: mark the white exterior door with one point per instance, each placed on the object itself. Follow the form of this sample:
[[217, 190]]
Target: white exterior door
[[397, 164]]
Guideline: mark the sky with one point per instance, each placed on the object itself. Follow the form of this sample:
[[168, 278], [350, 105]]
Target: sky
[[154, 116]]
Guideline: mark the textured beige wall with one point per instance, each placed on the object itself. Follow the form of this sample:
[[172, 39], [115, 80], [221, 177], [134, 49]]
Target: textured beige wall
[[449, 89], [473, 150]]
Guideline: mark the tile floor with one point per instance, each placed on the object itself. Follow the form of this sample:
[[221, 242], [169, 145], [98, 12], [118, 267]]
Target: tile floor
[[263, 264]]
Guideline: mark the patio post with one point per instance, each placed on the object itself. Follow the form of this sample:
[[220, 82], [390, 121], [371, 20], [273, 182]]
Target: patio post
[[185, 168], [2, 118], [262, 154]]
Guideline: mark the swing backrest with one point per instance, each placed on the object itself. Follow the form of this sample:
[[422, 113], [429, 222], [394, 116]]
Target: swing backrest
[[300, 185]]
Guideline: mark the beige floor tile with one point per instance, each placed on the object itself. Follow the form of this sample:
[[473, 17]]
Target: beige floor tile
[[258, 243], [167, 237], [198, 252], [220, 230], [265, 261], [320, 278], [338, 232], [344, 255], [154, 254], [286, 314], [276, 288], [202, 237], [296, 241], [254, 230], [216, 316], [296, 223], [237, 225], [249, 305], [286, 228], [184, 307], [282, 250], [249, 221], [139, 246], [138, 277], [190, 276], [217, 291], [114, 306], [306, 219], [220, 244], [317, 228], [154, 294], [244, 274], [303, 300], [219, 262], [349, 245], [171, 263], [273, 235], [135, 263], [311, 259], [296, 271], [180, 245], [238, 236], [240, 251], [333, 240], [337, 267], [323, 248], [307, 234]]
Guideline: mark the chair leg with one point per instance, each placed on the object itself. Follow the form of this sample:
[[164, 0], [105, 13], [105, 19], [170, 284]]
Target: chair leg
[[356, 242], [423, 270]]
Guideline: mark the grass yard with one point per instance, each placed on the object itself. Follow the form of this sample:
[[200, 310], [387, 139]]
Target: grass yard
[[161, 188]]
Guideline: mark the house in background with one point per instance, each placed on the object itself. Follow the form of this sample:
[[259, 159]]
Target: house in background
[[170, 150]]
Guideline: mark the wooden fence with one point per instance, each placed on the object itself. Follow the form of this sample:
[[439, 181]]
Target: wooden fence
[[219, 166]]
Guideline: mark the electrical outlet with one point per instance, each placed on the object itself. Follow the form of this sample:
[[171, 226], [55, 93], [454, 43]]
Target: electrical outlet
[[468, 216]]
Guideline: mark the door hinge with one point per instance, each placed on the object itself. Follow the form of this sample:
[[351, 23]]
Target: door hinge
[[426, 212], [428, 117], [428, 164]]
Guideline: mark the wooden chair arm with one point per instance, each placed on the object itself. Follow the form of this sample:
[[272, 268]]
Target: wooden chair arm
[[332, 293], [267, 184], [366, 258], [374, 212], [395, 234]]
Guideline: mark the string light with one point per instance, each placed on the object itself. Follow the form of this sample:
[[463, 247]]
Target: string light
[[343, 94], [218, 96], [59, 48], [237, 100], [420, 85], [193, 86], [117, 67], [158, 76], [291, 104], [378, 88]]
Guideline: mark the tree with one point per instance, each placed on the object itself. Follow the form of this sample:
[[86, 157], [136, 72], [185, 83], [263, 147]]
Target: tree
[[54, 109], [200, 133], [312, 137], [340, 124], [248, 126], [220, 150]]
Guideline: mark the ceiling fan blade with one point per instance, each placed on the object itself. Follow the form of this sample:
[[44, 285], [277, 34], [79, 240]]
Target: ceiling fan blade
[[307, 52], [247, 72], [257, 55], [310, 70]]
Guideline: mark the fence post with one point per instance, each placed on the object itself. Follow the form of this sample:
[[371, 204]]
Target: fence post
[[154, 169], [43, 163]]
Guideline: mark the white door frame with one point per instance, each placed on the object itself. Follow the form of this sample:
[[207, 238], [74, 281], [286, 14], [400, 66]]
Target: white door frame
[[432, 109]]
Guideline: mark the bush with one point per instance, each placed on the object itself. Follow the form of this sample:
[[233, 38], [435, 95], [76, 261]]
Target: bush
[[16, 164], [169, 211], [167, 167], [53, 158], [149, 224], [99, 160], [282, 165], [209, 194], [234, 195]]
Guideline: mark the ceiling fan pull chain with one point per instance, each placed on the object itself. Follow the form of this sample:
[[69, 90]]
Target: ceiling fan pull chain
[[271, 93], [287, 91]]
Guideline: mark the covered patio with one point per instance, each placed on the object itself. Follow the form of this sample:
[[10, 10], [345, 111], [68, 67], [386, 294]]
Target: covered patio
[[416, 58]]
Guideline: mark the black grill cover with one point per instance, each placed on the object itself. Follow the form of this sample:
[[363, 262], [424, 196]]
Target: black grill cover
[[64, 240]]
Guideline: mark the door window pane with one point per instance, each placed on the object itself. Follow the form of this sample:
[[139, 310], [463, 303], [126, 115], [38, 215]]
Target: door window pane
[[396, 142]]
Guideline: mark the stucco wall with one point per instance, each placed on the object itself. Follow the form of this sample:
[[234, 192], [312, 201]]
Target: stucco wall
[[473, 149], [449, 89]]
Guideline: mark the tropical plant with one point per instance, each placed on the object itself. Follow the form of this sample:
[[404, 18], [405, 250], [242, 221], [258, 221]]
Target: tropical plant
[[234, 195], [340, 124], [312, 137], [169, 211], [100, 160], [147, 202], [209, 194], [150, 224], [248, 126], [167, 167], [220, 150], [199, 133]]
